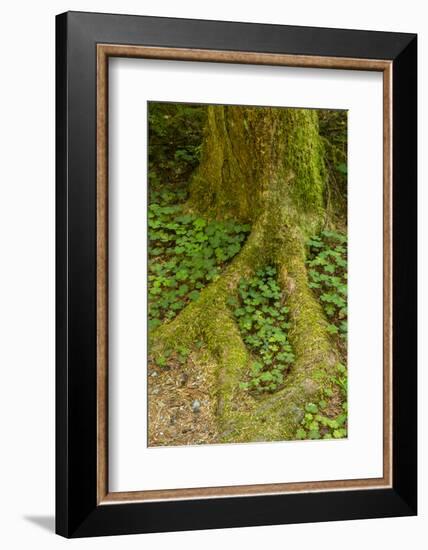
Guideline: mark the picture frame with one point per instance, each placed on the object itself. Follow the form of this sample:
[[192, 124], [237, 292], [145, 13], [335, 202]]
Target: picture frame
[[84, 44]]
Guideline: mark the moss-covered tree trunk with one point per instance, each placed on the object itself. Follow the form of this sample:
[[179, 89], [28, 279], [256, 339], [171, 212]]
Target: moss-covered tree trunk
[[265, 167]]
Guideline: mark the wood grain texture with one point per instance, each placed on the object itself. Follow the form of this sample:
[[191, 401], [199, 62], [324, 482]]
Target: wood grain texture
[[387, 274], [219, 56], [102, 275]]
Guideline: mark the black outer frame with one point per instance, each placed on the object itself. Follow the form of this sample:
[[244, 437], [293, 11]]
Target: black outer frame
[[77, 513]]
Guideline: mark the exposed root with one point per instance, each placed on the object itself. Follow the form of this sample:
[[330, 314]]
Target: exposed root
[[243, 418], [192, 322]]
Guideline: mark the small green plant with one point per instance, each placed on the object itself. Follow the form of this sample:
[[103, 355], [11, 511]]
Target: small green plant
[[341, 379], [186, 253], [321, 423], [170, 358], [162, 361], [263, 321], [327, 269]]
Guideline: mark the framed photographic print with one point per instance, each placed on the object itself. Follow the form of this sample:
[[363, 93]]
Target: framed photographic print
[[236, 274]]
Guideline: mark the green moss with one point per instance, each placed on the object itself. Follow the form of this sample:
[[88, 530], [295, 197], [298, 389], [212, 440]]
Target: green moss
[[273, 239], [226, 157], [251, 154]]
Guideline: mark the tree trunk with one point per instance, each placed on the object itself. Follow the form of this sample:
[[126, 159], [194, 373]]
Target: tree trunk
[[263, 166]]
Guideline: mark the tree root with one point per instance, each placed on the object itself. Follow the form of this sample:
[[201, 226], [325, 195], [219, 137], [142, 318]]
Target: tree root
[[273, 417]]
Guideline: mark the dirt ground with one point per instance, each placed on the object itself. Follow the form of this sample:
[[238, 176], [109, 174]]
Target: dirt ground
[[181, 408]]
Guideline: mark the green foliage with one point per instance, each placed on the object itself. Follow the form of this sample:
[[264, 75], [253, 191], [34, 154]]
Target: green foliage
[[342, 168], [320, 423], [168, 357], [175, 138], [263, 321], [333, 126], [186, 252], [341, 379], [327, 270]]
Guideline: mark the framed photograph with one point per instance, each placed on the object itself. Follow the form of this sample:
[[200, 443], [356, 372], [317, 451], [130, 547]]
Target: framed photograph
[[236, 274]]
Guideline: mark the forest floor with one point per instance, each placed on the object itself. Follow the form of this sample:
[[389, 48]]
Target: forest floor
[[182, 410], [183, 383]]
